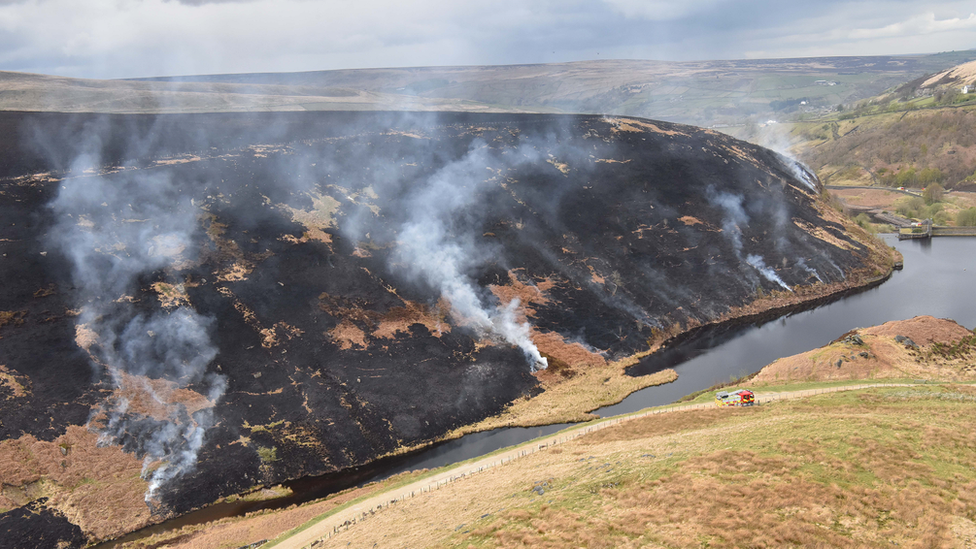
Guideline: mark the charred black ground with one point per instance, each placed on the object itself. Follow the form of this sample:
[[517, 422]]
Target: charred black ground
[[336, 344]]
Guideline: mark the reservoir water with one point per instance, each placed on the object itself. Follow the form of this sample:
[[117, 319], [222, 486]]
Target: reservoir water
[[937, 279]]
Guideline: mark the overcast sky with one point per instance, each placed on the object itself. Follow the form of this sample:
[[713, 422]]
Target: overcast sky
[[132, 38]]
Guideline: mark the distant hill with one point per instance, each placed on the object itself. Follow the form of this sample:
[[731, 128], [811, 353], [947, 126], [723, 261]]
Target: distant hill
[[41, 93], [921, 132], [705, 93], [961, 76]]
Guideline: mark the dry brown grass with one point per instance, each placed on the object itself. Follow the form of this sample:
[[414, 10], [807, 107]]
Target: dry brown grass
[[359, 321], [886, 357], [171, 295], [528, 293], [348, 335], [240, 531], [634, 125], [963, 72], [399, 319], [46, 291], [320, 217], [653, 426], [97, 487], [11, 318], [156, 398], [893, 467], [881, 199], [279, 331], [570, 400], [923, 330], [17, 385]]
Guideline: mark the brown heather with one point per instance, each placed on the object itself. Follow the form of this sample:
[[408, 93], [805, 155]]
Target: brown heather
[[99, 488]]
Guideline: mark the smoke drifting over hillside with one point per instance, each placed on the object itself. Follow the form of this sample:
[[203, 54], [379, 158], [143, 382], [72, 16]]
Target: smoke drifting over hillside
[[437, 243], [269, 296], [115, 230]]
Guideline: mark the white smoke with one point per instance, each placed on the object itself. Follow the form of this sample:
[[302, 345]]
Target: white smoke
[[435, 245], [802, 173], [802, 263], [768, 273], [777, 138], [734, 218], [114, 230], [181, 459]]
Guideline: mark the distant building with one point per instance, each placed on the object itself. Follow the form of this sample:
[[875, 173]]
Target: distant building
[[969, 88]]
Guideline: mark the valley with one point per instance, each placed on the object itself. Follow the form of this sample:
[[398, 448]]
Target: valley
[[204, 307]]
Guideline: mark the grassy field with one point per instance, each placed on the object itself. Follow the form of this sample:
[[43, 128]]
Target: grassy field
[[864, 468]]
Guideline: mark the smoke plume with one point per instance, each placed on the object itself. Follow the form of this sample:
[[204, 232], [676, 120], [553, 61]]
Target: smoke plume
[[436, 245], [115, 229], [733, 219], [768, 273]]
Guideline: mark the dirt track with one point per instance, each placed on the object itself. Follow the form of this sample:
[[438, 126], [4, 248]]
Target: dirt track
[[320, 533]]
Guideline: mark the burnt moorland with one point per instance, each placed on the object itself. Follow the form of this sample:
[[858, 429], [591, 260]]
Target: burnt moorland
[[195, 305]]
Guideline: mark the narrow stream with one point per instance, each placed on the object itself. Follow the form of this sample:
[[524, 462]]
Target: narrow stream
[[936, 280]]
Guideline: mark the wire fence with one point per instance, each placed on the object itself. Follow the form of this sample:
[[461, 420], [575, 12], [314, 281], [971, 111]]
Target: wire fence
[[555, 440]]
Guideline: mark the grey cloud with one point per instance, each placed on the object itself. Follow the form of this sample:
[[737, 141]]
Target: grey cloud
[[205, 2], [291, 35]]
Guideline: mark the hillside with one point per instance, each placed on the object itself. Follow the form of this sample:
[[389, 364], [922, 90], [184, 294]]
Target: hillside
[[703, 93], [909, 148], [892, 468], [770, 476], [912, 135], [709, 93], [918, 348], [959, 76], [42, 93], [198, 305]]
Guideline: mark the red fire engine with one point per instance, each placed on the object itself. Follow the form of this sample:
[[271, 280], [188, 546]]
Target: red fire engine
[[738, 398]]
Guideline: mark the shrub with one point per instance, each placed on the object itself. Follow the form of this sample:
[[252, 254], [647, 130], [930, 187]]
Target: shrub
[[268, 455], [966, 218], [930, 175], [910, 206], [933, 193], [929, 212]]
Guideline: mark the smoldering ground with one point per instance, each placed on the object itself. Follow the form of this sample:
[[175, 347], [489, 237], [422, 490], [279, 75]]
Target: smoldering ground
[[313, 260], [116, 229]]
